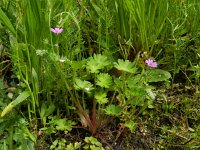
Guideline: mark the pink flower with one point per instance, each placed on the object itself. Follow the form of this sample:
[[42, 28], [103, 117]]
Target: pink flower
[[56, 30], [151, 63]]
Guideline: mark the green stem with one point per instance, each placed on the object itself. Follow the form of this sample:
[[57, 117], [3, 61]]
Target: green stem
[[83, 100], [94, 117], [11, 138]]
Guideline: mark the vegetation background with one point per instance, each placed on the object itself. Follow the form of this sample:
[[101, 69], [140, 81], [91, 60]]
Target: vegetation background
[[74, 74]]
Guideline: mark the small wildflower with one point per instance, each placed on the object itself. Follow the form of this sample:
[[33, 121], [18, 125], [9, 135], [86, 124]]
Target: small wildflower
[[56, 30], [56, 45], [151, 63], [87, 89], [62, 60], [10, 95], [23, 121], [41, 52]]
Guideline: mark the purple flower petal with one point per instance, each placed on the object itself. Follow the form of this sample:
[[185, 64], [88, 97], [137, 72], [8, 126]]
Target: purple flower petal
[[151, 63], [53, 30], [154, 65], [56, 30]]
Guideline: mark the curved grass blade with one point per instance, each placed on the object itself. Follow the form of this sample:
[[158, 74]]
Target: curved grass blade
[[6, 21], [23, 96]]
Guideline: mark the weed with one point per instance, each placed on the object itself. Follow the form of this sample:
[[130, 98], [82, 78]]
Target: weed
[[92, 64]]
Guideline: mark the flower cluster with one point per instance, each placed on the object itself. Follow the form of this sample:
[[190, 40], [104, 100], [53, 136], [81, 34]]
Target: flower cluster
[[151, 63]]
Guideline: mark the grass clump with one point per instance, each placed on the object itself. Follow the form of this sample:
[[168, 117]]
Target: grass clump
[[99, 74]]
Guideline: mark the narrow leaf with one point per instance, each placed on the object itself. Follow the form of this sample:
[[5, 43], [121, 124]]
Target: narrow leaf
[[23, 96], [6, 21]]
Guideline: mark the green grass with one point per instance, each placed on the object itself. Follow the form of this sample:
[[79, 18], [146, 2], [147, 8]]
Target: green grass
[[93, 75]]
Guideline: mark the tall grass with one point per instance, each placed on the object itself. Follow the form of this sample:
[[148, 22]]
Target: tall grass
[[163, 29], [138, 26], [140, 23], [36, 51], [179, 35]]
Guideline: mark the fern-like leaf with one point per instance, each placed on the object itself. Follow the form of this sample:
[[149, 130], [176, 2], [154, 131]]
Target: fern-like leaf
[[82, 85], [96, 63], [125, 66], [101, 97], [104, 80], [113, 110]]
